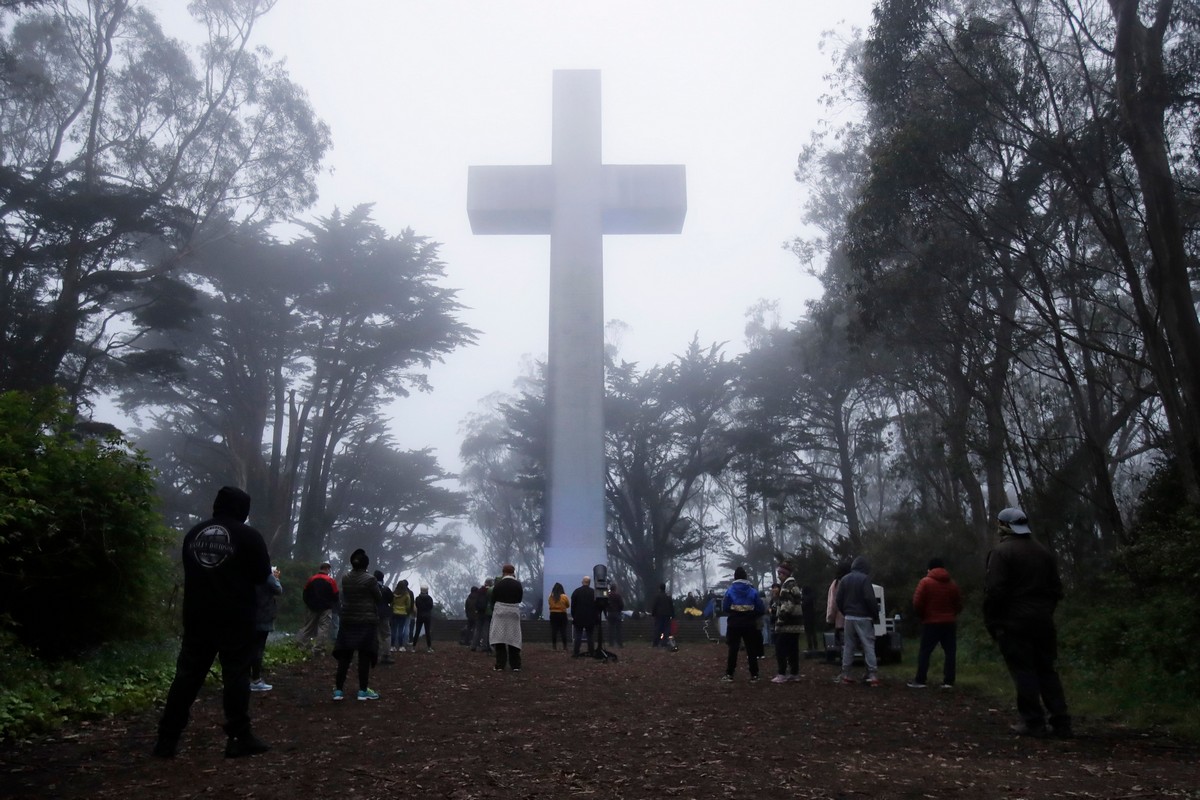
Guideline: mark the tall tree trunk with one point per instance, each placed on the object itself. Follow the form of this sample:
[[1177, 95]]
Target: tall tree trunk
[[1143, 96]]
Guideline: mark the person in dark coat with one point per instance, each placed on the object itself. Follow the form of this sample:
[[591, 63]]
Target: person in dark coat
[[1021, 590], [663, 611], [583, 615], [386, 598], [808, 610], [483, 617], [359, 630], [472, 616], [616, 616], [424, 606], [224, 561]]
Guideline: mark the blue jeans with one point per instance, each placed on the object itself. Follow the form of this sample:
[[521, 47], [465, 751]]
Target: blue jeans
[[933, 634], [399, 628], [860, 632]]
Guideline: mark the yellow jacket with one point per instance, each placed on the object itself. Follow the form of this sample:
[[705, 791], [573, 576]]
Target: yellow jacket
[[562, 604]]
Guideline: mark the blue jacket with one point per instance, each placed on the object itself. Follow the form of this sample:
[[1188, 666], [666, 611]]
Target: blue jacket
[[742, 604]]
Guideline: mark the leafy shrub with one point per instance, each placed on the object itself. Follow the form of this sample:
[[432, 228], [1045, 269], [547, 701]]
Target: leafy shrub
[[1151, 603], [80, 542], [133, 676], [127, 677]]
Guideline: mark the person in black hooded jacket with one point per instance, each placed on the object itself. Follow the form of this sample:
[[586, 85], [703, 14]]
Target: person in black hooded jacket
[[224, 560]]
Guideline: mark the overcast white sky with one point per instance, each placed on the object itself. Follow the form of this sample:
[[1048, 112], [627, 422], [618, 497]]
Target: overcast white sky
[[415, 92]]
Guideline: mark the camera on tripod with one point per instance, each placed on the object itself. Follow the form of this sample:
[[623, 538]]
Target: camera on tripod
[[602, 587], [600, 582]]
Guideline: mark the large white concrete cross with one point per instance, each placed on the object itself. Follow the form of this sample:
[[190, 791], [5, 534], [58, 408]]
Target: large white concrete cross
[[576, 199]]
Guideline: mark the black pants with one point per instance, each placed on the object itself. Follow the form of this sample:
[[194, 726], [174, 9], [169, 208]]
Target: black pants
[[787, 653], [616, 638], [582, 630], [753, 641], [1030, 651], [810, 631], [260, 649], [235, 649], [933, 634], [344, 657], [422, 623], [558, 629], [506, 653]]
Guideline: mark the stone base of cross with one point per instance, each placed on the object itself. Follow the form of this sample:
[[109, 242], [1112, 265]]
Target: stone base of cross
[[576, 200]]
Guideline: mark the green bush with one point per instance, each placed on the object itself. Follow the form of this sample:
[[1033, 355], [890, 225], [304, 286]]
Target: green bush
[[37, 699], [80, 541], [127, 677]]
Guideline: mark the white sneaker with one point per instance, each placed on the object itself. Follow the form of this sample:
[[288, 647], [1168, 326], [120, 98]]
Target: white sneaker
[[260, 686], [779, 679], [402, 650]]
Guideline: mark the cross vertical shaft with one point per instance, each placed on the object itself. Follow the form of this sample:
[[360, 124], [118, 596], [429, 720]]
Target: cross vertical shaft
[[576, 200]]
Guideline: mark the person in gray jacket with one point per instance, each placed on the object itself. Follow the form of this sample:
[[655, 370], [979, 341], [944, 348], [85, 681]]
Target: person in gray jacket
[[264, 623], [856, 601]]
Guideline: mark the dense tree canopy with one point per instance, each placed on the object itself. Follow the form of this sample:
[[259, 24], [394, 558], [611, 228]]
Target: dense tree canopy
[[119, 144]]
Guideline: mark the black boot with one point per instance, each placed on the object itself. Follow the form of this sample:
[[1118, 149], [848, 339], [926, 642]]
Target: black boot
[[246, 744], [165, 747]]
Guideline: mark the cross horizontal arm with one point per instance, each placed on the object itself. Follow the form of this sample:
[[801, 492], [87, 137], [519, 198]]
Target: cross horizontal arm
[[510, 199], [644, 198]]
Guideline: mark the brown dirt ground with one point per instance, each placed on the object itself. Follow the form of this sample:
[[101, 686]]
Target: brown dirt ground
[[654, 724]]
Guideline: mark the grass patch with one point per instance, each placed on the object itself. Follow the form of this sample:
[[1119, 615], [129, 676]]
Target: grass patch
[[39, 698], [1136, 695]]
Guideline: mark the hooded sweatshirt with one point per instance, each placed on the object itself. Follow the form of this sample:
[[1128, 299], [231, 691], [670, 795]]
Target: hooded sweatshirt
[[855, 594], [224, 559], [937, 599]]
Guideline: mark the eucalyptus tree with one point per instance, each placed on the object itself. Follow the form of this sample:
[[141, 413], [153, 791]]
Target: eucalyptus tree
[[1155, 51], [118, 144], [991, 222]]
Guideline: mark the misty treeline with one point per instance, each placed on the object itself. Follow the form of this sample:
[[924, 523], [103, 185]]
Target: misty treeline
[[1004, 223], [141, 178]]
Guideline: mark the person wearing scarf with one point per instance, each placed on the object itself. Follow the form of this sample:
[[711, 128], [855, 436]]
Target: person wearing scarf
[[505, 631]]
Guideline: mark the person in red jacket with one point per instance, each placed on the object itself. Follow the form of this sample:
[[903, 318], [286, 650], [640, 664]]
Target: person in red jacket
[[937, 602]]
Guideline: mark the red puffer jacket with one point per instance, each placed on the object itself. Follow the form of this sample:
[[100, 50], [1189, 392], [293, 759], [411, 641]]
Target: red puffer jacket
[[937, 599]]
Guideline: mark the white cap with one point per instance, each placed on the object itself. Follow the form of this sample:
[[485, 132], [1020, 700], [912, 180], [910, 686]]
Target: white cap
[[1015, 520]]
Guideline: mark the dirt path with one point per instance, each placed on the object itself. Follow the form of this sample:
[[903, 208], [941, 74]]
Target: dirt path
[[653, 725]]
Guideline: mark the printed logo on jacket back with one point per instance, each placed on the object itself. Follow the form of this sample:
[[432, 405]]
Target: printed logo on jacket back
[[212, 546]]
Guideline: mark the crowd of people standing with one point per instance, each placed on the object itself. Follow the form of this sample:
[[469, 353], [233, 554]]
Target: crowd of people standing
[[230, 606]]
